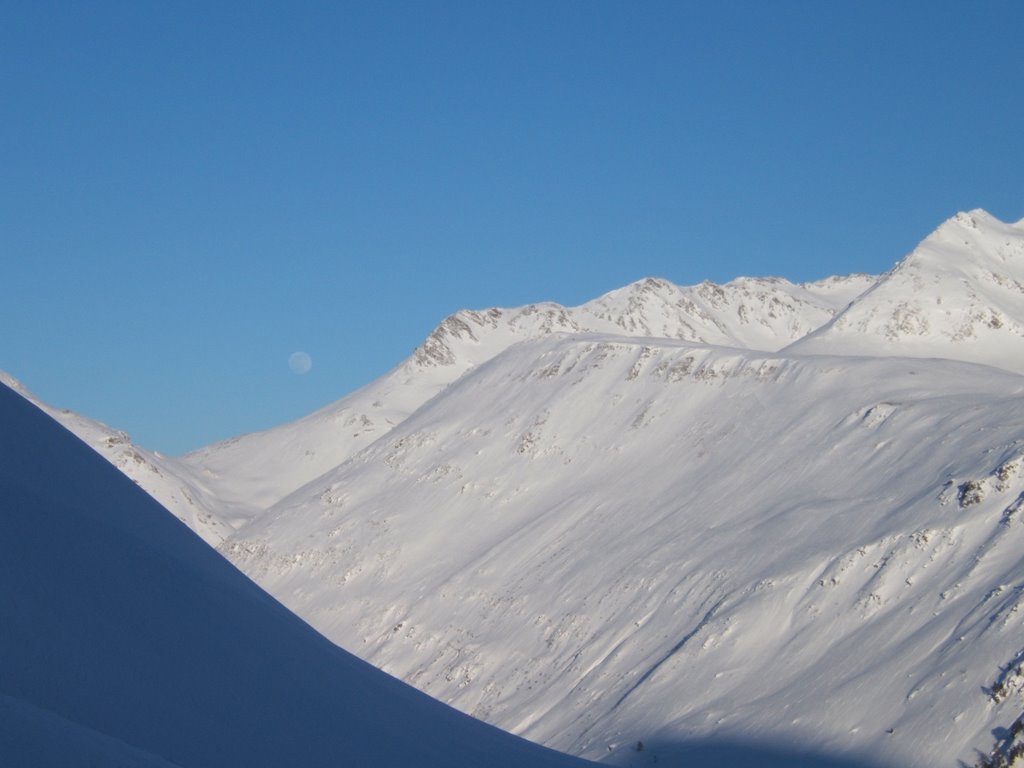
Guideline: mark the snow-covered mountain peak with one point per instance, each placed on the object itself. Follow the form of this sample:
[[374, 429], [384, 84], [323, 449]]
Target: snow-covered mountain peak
[[959, 294], [976, 218], [755, 313], [974, 237], [469, 337]]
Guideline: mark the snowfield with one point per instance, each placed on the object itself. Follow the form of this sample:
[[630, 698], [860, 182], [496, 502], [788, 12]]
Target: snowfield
[[757, 523], [592, 543]]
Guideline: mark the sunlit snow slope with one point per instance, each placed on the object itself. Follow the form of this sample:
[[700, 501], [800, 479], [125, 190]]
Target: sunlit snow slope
[[598, 538], [255, 471], [594, 541], [958, 295], [126, 641]]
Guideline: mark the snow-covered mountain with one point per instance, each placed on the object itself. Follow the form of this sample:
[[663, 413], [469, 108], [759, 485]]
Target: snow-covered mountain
[[957, 295], [714, 520], [609, 532], [127, 642], [593, 541], [257, 470]]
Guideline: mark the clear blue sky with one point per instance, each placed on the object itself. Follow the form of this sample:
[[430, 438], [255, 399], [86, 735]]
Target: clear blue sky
[[191, 192]]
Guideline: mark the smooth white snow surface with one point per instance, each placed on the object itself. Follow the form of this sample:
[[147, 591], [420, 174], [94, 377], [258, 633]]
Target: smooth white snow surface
[[126, 641], [758, 523]]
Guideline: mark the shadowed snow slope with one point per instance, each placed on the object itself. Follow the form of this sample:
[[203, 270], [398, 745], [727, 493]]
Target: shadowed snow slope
[[177, 486], [127, 642]]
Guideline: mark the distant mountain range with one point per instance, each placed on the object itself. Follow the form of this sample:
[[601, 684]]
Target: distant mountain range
[[757, 512]]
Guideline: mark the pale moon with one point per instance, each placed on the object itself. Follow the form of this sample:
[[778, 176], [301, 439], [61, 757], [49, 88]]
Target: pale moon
[[300, 362]]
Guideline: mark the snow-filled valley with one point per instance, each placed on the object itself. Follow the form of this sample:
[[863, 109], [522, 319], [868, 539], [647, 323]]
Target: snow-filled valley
[[754, 523]]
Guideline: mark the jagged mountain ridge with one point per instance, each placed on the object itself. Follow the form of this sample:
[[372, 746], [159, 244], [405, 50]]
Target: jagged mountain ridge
[[969, 294], [756, 313], [749, 313]]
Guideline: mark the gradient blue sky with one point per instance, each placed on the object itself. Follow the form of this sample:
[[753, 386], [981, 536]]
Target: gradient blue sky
[[191, 192]]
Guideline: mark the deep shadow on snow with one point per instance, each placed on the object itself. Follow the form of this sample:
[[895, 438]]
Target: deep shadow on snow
[[712, 753]]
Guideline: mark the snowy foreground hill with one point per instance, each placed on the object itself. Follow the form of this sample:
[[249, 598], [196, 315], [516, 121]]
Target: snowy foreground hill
[[128, 642], [174, 484], [758, 523]]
